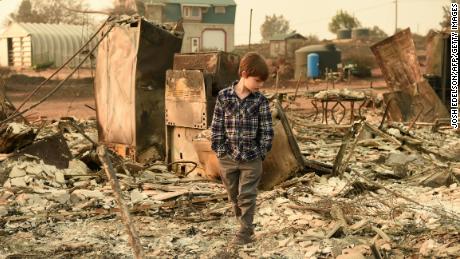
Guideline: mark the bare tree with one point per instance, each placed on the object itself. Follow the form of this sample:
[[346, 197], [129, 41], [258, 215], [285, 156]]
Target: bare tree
[[125, 6], [51, 11]]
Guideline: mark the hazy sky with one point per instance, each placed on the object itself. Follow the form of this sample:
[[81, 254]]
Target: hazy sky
[[313, 16]]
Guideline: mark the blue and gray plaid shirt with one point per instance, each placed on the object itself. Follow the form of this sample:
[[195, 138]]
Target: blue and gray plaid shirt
[[241, 128]]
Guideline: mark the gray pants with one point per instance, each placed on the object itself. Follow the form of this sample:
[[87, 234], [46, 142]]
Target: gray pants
[[241, 180]]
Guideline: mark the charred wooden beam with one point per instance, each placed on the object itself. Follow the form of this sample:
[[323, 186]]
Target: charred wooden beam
[[353, 134], [134, 240]]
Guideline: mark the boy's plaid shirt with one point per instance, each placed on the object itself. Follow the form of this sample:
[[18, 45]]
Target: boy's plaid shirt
[[241, 128]]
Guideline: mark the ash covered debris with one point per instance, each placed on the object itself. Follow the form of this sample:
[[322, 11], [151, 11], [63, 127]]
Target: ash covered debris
[[395, 198], [373, 188]]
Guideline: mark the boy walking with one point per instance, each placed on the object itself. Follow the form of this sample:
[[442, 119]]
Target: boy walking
[[242, 135]]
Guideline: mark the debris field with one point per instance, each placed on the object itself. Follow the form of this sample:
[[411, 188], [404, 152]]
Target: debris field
[[398, 195], [364, 184]]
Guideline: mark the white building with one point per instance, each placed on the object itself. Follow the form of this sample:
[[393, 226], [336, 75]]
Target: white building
[[25, 45]]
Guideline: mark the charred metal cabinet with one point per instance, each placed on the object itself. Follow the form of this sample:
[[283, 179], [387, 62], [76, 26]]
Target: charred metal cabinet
[[187, 98], [187, 113], [221, 66], [191, 90], [132, 62]]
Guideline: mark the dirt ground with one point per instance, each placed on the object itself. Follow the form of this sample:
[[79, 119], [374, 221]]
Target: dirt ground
[[70, 100], [73, 99]]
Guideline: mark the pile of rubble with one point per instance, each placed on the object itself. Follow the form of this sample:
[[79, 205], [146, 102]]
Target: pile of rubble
[[399, 195]]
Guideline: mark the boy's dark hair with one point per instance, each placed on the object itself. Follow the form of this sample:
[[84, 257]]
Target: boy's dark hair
[[254, 65]]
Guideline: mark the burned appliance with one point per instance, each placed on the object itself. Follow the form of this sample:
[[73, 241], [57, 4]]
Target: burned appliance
[[191, 89], [129, 87]]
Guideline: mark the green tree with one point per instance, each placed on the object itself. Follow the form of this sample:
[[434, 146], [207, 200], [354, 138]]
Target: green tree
[[343, 20], [25, 13], [273, 25], [377, 33], [51, 11]]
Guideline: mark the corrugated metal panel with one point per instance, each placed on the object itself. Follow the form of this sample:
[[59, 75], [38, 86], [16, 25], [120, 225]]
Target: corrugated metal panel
[[22, 56], [49, 42]]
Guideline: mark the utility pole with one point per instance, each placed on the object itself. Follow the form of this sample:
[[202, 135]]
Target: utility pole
[[250, 29], [396, 16]]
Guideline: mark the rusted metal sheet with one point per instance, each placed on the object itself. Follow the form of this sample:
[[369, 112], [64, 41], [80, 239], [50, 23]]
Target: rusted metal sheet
[[191, 90], [129, 87], [282, 161], [222, 66], [53, 150], [209, 163], [398, 104], [397, 59], [186, 99], [434, 50], [156, 53], [114, 86]]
